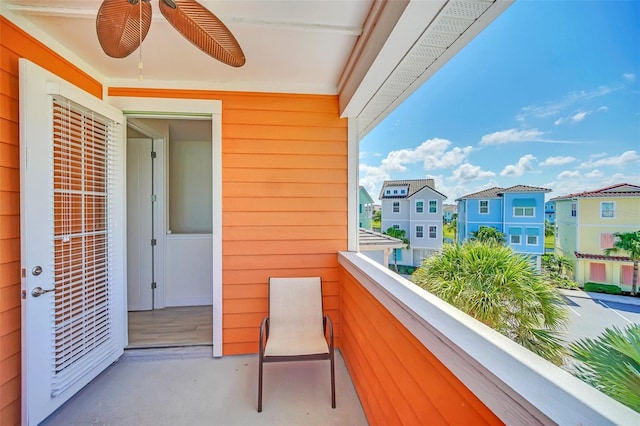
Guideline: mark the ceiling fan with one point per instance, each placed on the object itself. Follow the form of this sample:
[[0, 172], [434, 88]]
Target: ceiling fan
[[122, 25]]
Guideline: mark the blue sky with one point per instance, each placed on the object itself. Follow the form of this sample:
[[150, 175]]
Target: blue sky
[[548, 95]]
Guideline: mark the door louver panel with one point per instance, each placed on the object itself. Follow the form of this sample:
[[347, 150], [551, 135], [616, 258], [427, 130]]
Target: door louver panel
[[81, 180]]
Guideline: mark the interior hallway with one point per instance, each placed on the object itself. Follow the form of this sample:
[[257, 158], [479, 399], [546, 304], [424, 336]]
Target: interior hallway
[[188, 325]]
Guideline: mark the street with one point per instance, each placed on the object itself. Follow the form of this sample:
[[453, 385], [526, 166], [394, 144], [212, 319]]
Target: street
[[589, 317]]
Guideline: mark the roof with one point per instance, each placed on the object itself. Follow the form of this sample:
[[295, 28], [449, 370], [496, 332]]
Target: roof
[[524, 188], [370, 240], [415, 185], [618, 190], [485, 193], [365, 198], [497, 191], [601, 257]]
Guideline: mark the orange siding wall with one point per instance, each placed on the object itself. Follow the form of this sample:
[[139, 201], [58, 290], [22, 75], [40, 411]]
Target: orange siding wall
[[284, 199], [398, 380], [14, 44]]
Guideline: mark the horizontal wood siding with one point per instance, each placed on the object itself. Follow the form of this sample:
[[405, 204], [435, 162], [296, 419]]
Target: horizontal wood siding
[[15, 44], [284, 199], [397, 379]]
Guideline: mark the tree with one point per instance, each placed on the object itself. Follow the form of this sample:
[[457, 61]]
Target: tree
[[611, 363], [502, 289], [453, 226], [401, 235], [630, 243], [377, 216], [557, 265], [489, 235], [548, 228]]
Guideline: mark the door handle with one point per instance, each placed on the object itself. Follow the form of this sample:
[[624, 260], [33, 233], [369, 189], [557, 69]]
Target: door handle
[[39, 291]]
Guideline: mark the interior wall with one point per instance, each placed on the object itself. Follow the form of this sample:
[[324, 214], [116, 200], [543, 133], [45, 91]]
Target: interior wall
[[15, 44], [190, 187]]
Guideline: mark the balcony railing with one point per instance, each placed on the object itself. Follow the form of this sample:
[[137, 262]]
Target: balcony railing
[[414, 358]]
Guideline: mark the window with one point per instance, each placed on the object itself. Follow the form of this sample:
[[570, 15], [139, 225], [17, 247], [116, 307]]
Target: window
[[532, 236], [606, 240], [419, 231], [484, 206], [419, 206], [524, 211], [607, 209], [395, 192], [433, 232], [598, 272], [574, 209], [396, 206], [515, 235], [433, 206], [402, 191], [396, 226]]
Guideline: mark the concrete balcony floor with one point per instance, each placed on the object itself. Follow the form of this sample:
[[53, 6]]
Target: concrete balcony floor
[[185, 386]]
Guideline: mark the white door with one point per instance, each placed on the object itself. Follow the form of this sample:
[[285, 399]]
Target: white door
[[72, 236], [140, 223]]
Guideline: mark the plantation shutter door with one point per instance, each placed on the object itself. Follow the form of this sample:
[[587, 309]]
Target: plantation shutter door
[[72, 227], [82, 151], [627, 274], [598, 272]]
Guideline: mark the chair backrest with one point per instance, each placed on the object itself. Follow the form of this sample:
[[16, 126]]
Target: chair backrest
[[296, 304]]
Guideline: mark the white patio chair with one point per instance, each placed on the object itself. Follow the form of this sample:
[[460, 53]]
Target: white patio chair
[[295, 329]]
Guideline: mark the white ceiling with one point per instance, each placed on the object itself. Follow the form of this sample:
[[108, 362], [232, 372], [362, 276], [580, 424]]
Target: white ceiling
[[372, 53]]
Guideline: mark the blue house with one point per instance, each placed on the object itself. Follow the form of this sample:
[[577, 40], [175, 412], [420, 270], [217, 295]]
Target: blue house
[[550, 211], [517, 211]]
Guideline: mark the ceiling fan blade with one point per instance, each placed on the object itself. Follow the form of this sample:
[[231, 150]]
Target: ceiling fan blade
[[119, 24], [202, 28]]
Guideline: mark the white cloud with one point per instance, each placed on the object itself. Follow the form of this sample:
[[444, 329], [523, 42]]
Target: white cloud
[[569, 174], [432, 153], [603, 108], [511, 135], [628, 157], [576, 118], [525, 164], [467, 172], [629, 77], [595, 173], [557, 161], [598, 155], [557, 107]]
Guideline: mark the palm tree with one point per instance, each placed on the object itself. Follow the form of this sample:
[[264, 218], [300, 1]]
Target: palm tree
[[401, 235], [629, 242], [558, 265], [501, 288], [453, 226], [548, 228], [489, 235], [611, 363]]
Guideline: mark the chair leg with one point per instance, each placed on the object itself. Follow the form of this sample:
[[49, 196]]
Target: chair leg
[[333, 382], [260, 385]]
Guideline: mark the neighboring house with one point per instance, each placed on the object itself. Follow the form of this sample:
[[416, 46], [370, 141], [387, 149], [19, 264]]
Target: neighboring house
[[517, 211], [550, 211], [377, 246], [415, 207], [584, 228], [447, 212], [365, 208]]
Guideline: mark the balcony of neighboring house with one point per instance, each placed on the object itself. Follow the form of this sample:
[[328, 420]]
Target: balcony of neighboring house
[[405, 357]]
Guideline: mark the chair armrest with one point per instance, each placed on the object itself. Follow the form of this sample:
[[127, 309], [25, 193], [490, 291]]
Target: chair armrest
[[327, 320], [264, 333]]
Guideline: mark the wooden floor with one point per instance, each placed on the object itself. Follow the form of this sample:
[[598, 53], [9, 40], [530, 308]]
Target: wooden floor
[[180, 326]]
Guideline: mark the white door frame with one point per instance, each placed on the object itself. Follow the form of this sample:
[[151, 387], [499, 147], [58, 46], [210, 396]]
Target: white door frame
[[169, 108]]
